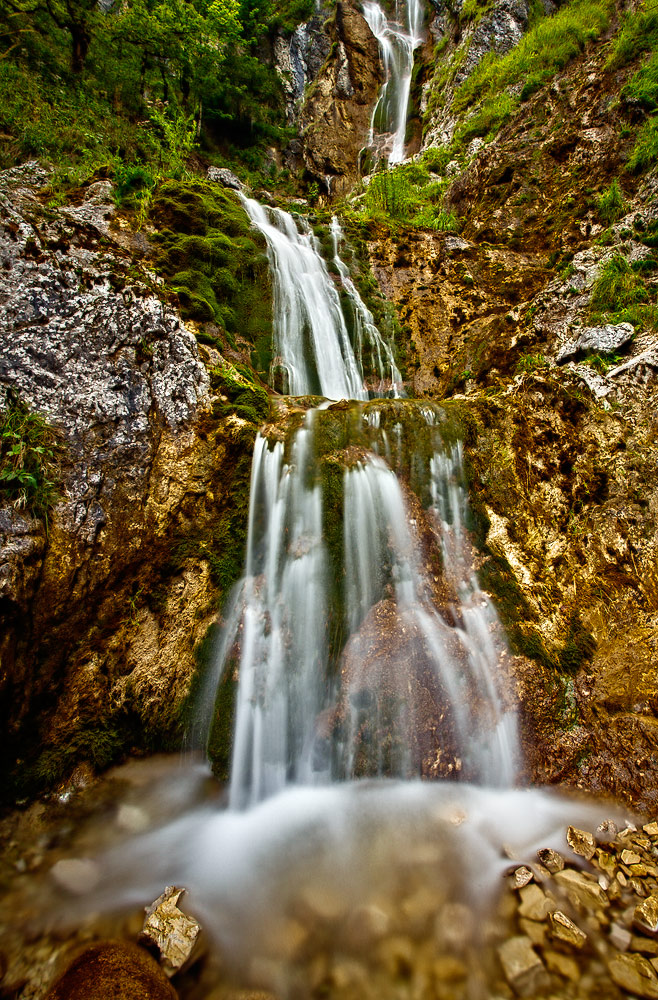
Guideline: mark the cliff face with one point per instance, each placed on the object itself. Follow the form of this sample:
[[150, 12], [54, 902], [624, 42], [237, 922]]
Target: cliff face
[[101, 613]]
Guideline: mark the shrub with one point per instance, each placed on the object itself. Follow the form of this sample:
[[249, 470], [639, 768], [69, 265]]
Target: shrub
[[28, 459]]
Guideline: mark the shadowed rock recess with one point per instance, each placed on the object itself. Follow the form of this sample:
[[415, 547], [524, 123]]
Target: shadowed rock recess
[[438, 560]]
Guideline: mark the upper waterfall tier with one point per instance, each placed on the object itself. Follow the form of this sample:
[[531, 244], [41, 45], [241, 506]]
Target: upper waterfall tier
[[398, 40]]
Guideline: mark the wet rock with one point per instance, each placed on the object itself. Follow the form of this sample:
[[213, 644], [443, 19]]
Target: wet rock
[[523, 968], [581, 842], [522, 877], [535, 904], [607, 832], [225, 177], [112, 969], [173, 932], [76, 875], [645, 915], [606, 339], [562, 964], [635, 974], [366, 925], [551, 860], [564, 929], [581, 888]]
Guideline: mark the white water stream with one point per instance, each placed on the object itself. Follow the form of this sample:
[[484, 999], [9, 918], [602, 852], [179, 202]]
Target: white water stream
[[398, 40]]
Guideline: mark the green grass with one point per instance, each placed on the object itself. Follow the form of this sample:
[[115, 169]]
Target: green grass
[[638, 34], [611, 204], [408, 194], [29, 451], [621, 295], [544, 50]]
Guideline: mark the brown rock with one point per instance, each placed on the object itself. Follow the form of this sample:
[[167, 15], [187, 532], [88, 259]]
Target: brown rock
[[564, 965], [635, 974], [581, 842], [113, 969], [523, 968], [173, 932], [535, 904], [522, 877]]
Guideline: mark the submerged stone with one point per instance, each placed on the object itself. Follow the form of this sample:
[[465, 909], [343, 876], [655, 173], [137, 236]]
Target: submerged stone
[[523, 968], [635, 974], [581, 842]]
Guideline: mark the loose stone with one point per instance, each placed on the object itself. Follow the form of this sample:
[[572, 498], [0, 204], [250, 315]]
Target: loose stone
[[581, 842], [582, 889], [523, 968], [535, 904], [522, 876], [173, 932], [645, 915], [630, 858], [564, 965], [551, 860], [565, 930], [635, 974]]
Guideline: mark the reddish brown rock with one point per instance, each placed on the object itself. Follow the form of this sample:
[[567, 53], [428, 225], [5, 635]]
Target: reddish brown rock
[[113, 969]]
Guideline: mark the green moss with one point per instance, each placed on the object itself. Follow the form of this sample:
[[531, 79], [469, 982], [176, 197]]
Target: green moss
[[213, 260], [497, 577], [220, 741], [579, 647]]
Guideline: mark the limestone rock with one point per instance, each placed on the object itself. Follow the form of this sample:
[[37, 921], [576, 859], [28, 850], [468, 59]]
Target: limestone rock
[[112, 969], [225, 177], [581, 842], [173, 932], [523, 968], [635, 974], [522, 877], [606, 339]]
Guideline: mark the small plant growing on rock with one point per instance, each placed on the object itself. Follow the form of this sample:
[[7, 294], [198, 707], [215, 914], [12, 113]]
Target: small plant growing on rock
[[529, 363], [28, 459], [611, 204]]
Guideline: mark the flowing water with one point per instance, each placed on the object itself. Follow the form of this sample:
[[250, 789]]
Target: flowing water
[[398, 40]]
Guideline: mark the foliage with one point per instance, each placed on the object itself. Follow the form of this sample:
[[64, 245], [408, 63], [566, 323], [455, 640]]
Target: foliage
[[138, 82], [529, 363], [645, 151], [546, 48], [611, 204], [638, 34], [245, 396], [28, 459], [408, 194]]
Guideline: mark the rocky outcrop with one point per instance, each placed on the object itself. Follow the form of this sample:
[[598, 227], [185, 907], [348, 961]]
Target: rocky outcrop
[[462, 42], [101, 612], [335, 118], [298, 58]]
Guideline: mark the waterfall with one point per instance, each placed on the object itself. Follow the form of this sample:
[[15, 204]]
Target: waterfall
[[366, 333], [311, 340], [397, 44]]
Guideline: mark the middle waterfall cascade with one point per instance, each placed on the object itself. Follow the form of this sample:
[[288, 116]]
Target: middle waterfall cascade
[[397, 45]]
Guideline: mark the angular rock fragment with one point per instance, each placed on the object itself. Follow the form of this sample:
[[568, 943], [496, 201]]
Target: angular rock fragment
[[551, 860], [607, 832], [581, 842], [581, 888], [635, 974], [535, 904], [522, 877], [523, 968], [645, 915], [565, 930], [173, 932]]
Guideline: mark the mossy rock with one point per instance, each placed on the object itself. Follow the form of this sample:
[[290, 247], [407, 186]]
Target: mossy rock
[[214, 261]]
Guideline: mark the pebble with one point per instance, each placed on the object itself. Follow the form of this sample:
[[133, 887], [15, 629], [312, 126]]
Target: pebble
[[535, 904], [581, 888], [76, 875], [522, 876], [565, 930], [551, 860], [645, 915], [173, 932]]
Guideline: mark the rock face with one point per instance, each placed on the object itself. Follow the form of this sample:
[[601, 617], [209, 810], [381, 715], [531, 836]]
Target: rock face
[[464, 43], [299, 58], [119, 376], [335, 118]]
